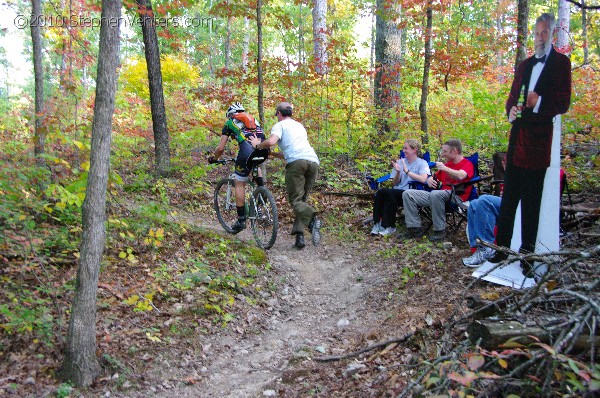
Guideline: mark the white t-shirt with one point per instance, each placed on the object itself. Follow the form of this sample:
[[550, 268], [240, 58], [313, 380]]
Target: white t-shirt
[[293, 141], [419, 166]]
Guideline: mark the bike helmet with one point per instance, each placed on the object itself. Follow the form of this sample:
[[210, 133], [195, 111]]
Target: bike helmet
[[235, 108]]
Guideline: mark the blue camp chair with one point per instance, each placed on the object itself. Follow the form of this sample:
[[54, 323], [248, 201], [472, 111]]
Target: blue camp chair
[[375, 183]]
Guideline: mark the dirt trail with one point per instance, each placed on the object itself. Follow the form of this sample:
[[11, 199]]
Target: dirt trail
[[319, 299], [319, 304]]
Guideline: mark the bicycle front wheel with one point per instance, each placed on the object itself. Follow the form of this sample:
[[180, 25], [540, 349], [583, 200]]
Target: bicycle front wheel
[[224, 201], [264, 220]]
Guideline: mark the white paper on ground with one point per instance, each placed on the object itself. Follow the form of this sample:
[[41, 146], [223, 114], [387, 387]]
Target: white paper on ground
[[509, 275], [548, 228]]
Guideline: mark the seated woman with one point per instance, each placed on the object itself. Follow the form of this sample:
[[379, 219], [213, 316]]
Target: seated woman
[[388, 200]]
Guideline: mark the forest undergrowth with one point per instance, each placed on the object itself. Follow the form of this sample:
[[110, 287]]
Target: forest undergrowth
[[164, 279]]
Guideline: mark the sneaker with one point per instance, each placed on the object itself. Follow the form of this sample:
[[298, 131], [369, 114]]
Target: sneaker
[[387, 231], [377, 228], [299, 241], [481, 255], [239, 226], [437, 236], [315, 230], [411, 233]]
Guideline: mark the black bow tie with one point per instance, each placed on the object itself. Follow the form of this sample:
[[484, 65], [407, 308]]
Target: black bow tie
[[542, 59]]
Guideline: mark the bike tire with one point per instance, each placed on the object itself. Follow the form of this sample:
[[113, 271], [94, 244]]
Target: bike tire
[[264, 223], [224, 202]]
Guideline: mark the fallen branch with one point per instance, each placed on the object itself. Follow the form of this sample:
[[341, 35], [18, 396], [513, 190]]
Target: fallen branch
[[366, 349]]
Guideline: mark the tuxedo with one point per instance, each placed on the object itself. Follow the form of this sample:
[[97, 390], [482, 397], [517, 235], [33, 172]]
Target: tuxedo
[[529, 145], [531, 135]]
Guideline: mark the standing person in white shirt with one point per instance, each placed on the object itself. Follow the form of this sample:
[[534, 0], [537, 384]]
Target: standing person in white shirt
[[300, 171]]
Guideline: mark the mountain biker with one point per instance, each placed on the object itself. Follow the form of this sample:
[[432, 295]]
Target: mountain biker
[[239, 126]]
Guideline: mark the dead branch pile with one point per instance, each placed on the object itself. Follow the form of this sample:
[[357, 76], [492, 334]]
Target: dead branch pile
[[542, 341]]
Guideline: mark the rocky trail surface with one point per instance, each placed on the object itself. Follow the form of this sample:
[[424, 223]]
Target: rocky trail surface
[[319, 304]]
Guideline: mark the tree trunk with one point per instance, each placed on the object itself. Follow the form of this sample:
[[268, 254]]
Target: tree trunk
[[227, 49], [211, 62], [492, 333], [246, 45], [388, 59], [563, 27], [81, 365], [584, 34], [157, 100], [39, 137], [319, 13], [372, 54], [301, 52], [388, 54], [499, 57], [261, 109], [522, 31], [426, 67]]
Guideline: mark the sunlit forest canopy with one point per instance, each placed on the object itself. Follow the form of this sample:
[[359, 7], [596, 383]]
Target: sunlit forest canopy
[[209, 48]]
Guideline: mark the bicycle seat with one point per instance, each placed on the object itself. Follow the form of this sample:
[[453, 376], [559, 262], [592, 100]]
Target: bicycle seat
[[257, 157]]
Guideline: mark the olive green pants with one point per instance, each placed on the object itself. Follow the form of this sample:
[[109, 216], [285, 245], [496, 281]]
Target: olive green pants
[[300, 176]]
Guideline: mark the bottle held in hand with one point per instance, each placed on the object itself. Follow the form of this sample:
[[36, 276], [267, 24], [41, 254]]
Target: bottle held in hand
[[521, 102]]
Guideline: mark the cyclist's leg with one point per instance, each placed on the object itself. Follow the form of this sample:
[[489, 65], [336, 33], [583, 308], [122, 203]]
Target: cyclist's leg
[[259, 177], [239, 193], [241, 177]]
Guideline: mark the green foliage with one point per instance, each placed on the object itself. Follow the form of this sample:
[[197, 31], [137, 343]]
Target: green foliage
[[27, 315], [64, 390]]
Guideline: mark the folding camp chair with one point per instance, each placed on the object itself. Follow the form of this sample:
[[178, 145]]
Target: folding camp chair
[[375, 183], [456, 208], [498, 167]]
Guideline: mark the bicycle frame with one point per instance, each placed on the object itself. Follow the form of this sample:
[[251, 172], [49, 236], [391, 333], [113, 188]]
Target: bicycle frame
[[260, 208]]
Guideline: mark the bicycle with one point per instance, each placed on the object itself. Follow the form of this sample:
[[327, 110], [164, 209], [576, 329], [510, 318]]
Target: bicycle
[[260, 205]]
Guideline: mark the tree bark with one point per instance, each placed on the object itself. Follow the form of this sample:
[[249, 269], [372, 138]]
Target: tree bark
[[426, 68], [227, 49], [39, 137], [388, 60], [81, 365], [522, 31], [301, 52], [563, 27], [261, 109], [246, 45], [319, 14], [157, 101], [211, 62], [584, 34], [492, 333]]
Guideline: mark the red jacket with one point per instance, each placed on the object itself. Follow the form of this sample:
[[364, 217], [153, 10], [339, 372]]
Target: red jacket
[[446, 180]]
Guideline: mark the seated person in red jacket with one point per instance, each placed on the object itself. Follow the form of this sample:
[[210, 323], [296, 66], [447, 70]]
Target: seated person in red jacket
[[457, 169]]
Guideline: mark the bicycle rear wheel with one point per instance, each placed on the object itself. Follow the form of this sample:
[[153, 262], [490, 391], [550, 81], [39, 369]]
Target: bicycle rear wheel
[[264, 221], [224, 201]]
